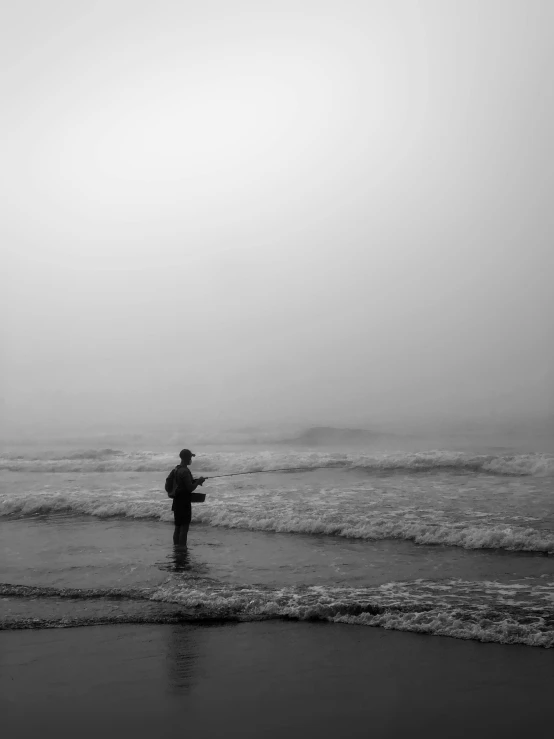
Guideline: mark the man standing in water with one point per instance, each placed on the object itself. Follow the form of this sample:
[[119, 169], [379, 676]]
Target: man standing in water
[[183, 485]]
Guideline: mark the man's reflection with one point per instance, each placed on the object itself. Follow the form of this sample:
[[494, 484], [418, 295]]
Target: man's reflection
[[184, 650], [180, 559]]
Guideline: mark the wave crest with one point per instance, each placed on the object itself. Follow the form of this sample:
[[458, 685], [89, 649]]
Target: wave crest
[[113, 460]]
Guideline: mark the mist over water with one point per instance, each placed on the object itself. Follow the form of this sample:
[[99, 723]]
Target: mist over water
[[276, 215]]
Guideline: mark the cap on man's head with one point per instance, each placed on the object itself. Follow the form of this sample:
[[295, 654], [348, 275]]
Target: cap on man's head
[[185, 453]]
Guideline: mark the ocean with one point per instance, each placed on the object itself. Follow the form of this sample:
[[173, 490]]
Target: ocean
[[451, 542]]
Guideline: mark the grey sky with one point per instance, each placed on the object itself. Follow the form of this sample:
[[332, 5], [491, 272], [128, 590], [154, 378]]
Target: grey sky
[[277, 211]]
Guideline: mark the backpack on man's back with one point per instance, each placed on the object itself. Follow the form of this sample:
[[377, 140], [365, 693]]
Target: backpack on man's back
[[171, 484]]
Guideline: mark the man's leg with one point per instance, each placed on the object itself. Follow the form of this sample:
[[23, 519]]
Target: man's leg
[[182, 535], [182, 522]]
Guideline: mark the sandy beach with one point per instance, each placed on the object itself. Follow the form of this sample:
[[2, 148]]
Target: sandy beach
[[267, 679]]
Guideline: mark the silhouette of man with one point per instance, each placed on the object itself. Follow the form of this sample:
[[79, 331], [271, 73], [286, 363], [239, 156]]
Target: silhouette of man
[[184, 484]]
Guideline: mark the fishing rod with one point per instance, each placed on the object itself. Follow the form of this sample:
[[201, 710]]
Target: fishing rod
[[279, 469]]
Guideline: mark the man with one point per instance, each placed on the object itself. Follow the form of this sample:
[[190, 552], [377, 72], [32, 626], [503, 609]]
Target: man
[[184, 484]]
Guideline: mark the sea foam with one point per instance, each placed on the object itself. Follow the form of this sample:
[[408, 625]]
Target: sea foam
[[507, 613], [278, 511]]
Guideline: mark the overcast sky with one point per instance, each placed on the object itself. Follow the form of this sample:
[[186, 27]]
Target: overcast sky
[[231, 212]]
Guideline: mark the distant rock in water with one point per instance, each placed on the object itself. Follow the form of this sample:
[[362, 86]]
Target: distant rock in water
[[329, 436]]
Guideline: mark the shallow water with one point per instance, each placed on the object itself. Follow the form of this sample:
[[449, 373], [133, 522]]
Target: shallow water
[[88, 553], [428, 542]]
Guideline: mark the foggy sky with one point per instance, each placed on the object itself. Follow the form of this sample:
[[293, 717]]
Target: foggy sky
[[236, 212]]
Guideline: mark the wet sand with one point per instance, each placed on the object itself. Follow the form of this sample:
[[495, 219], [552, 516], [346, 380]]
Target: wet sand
[[270, 679]]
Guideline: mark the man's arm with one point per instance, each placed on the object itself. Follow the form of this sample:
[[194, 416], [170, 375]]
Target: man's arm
[[185, 482]]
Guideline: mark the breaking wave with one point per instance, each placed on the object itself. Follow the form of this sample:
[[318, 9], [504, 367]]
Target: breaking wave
[[393, 525], [506, 613], [279, 513], [113, 460]]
